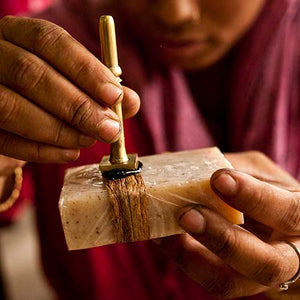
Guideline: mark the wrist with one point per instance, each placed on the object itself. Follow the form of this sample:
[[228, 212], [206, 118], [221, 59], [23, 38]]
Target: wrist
[[10, 187], [6, 185]]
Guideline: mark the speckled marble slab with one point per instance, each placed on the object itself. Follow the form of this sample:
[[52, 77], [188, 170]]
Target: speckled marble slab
[[172, 180]]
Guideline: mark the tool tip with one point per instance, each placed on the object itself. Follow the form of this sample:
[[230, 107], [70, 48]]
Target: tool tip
[[106, 19]]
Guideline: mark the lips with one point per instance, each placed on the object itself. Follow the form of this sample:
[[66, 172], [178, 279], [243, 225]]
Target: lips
[[181, 47], [177, 43]]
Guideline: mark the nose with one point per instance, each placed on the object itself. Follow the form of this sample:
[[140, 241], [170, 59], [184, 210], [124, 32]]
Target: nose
[[173, 13]]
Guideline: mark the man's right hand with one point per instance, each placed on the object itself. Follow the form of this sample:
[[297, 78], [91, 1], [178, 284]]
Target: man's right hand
[[55, 96]]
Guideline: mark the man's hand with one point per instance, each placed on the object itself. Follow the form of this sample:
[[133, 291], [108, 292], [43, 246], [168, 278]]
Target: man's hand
[[230, 260], [55, 96]]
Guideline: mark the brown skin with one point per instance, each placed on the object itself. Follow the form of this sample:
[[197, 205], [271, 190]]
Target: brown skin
[[189, 34], [55, 95], [36, 68], [228, 260]]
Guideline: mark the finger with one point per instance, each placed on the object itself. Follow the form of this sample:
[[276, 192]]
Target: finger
[[131, 103], [23, 118], [266, 264], [206, 268], [20, 148], [54, 45], [266, 203], [39, 82], [260, 166]]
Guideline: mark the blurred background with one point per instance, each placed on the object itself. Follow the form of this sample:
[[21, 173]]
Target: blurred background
[[21, 274], [14, 7]]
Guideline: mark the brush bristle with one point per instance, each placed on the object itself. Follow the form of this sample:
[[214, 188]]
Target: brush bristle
[[129, 204]]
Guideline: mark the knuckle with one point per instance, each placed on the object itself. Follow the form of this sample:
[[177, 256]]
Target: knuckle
[[38, 152], [26, 73], [81, 111], [9, 145], [46, 35], [35, 153], [222, 288], [58, 134], [8, 107], [290, 221], [270, 273], [256, 200], [5, 20], [83, 69], [5, 142], [226, 244]]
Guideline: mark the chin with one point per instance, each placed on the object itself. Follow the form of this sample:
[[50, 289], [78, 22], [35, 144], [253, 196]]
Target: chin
[[195, 62], [192, 64]]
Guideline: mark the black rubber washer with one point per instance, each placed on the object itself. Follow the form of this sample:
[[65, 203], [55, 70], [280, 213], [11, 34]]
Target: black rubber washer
[[119, 173]]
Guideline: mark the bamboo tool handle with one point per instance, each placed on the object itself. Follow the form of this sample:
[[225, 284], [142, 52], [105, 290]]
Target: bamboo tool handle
[[109, 57]]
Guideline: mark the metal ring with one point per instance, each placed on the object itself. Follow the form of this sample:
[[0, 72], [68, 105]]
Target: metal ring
[[285, 285]]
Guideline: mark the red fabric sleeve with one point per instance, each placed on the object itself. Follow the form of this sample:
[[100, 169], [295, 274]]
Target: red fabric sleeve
[[13, 7], [16, 7]]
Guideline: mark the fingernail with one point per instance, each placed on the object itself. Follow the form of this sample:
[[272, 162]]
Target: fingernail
[[192, 221], [110, 94], [70, 155], [110, 130], [225, 184], [85, 141]]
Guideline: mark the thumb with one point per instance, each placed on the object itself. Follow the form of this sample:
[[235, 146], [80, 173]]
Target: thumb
[[263, 202]]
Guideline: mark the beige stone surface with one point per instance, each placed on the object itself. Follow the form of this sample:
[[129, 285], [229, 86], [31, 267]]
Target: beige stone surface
[[172, 180]]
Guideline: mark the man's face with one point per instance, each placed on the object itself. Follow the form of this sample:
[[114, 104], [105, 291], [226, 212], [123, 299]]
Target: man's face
[[190, 34]]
